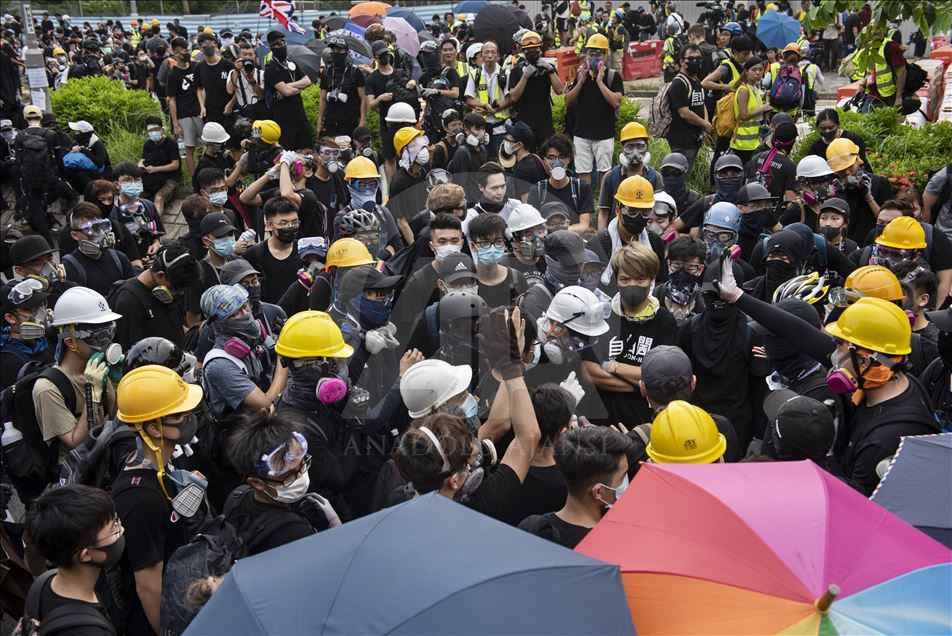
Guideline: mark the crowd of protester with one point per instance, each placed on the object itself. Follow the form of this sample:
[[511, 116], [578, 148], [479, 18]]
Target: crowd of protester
[[354, 319]]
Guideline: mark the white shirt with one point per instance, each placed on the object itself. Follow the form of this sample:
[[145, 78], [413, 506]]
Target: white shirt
[[492, 88]]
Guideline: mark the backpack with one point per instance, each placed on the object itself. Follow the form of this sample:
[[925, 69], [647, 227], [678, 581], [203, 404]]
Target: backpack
[[787, 88], [615, 177], [220, 542], [575, 8], [659, 117], [62, 620], [99, 459], [81, 269], [33, 158], [915, 78], [80, 161], [543, 188], [31, 461], [725, 123]]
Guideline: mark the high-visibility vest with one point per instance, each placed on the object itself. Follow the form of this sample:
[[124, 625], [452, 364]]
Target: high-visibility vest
[[747, 134], [669, 52], [486, 91], [732, 67], [462, 68], [882, 74]]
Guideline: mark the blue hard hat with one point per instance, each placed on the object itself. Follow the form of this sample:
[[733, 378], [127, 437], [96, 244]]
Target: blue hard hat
[[723, 215], [733, 28]]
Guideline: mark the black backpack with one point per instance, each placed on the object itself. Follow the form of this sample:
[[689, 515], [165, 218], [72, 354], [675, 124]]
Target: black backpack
[[915, 78], [62, 620], [100, 458], [220, 542], [31, 461], [33, 158]]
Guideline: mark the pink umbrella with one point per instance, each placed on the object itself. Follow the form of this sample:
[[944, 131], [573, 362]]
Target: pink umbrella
[[407, 38]]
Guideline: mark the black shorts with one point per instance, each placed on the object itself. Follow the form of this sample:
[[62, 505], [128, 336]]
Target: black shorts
[[560, 24], [386, 140]]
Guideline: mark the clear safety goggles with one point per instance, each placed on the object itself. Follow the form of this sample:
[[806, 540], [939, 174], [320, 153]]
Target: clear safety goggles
[[274, 464], [92, 228], [24, 291]]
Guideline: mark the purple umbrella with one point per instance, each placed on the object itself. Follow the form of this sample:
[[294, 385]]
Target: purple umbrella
[[407, 38]]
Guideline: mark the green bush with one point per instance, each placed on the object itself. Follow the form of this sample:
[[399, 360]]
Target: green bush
[[104, 103]]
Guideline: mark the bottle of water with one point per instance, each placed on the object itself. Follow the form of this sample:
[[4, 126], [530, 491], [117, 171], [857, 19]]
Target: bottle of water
[[10, 434], [181, 149]]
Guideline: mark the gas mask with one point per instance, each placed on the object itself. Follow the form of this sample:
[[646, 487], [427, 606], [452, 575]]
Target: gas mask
[[530, 247], [558, 170], [816, 192], [49, 275], [35, 327], [634, 153]]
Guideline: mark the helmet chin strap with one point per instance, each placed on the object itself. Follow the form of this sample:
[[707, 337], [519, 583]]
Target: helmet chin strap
[[157, 449]]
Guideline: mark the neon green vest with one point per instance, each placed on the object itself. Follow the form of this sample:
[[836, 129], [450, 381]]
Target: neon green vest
[[882, 74], [746, 136], [486, 93]]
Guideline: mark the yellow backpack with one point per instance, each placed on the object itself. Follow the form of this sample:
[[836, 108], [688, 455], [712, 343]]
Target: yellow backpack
[[724, 121]]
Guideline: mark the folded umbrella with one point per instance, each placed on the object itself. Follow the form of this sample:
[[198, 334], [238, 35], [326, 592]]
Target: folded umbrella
[[407, 38], [777, 29], [409, 16], [496, 23], [917, 487], [769, 547], [427, 566]]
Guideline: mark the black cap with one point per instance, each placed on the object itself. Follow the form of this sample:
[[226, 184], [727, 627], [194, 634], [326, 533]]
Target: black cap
[[665, 365], [565, 247], [728, 161], [521, 132], [275, 36], [364, 277], [675, 160], [802, 427], [456, 266], [554, 208], [379, 48], [216, 224], [361, 132], [29, 248], [780, 118], [225, 31], [786, 131], [234, 271], [799, 308], [837, 204], [753, 192], [48, 119]]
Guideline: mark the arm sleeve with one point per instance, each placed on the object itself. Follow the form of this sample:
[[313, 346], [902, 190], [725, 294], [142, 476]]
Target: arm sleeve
[[839, 261], [863, 475], [796, 331]]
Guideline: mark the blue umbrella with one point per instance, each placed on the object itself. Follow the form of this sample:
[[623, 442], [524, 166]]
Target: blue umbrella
[[428, 566], [917, 488], [408, 15], [470, 6], [777, 29]]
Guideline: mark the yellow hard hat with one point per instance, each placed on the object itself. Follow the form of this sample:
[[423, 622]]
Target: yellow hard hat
[[269, 131], [597, 41], [633, 130], [404, 136], [209, 31], [312, 334], [529, 39], [347, 252], [155, 22], [904, 233], [635, 192], [152, 391], [874, 324], [58, 51], [841, 154], [360, 168], [685, 434], [875, 281]]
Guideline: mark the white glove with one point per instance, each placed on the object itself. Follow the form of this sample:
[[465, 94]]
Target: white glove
[[529, 70], [573, 386], [288, 157], [428, 92], [95, 376], [273, 172], [727, 284], [248, 236]]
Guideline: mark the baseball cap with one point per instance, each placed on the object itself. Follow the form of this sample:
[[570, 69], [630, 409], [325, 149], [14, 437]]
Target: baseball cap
[[728, 161], [363, 277], [675, 160], [456, 266], [31, 111], [6, 124], [29, 248], [780, 118], [838, 204], [234, 271], [275, 36], [521, 132], [753, 192], [361, 132], [216, 224], [81, 126], [786, 131], [802, 427], [48, 119], [666, 366], [565, 247], [554, 208]]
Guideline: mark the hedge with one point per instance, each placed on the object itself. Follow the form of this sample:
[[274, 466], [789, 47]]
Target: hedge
[[106, 104]]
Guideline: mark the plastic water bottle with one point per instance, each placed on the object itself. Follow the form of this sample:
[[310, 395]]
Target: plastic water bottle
[[10, 434], [181, 148]]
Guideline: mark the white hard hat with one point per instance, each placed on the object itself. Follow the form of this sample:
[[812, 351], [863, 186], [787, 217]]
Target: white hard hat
[[522, 217], [813, 166], [401, 113], [580, 310], [664, 197], [427, 385], [474, 50], [214, 133], [81, 305]]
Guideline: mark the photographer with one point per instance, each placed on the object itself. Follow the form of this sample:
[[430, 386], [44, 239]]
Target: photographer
[[342, 107], [245, 83], [531, 82]]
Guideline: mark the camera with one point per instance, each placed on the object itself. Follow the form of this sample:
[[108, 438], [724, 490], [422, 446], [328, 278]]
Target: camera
[[337, 96], [248, 66]]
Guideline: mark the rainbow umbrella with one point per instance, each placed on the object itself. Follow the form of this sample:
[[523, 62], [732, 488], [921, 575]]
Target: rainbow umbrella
[[766, 548]]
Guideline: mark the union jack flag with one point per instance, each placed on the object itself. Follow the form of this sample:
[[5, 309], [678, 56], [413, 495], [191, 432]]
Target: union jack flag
[[282, 11]]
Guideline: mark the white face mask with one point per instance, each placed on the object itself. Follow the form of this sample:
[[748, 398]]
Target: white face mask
[[423, 157], [558, 173], [508, 147], [294, 492], [442, 251]]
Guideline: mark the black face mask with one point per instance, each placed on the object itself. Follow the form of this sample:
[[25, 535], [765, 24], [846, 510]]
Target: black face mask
[[338, 59], [633, 224], [828, 136], [694, 66], [208, 51], [280, 53], [287, 234], [113, 553], [532, 57], [633, 295], [754, 221], [830, 233], [779, 271]]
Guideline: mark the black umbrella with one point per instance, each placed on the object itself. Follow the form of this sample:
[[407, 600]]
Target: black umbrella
[[316, 45], [307, 60], [497, 23], [522, 17], [336, 22]]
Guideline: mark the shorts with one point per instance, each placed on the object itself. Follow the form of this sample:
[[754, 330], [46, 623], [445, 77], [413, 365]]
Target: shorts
[[561, 24], [192, 131], [386, 141], [167, 191], [588, 149]]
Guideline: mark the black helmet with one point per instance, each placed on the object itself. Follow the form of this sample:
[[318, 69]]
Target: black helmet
[[91, 44], [155, 350], [457, 305]]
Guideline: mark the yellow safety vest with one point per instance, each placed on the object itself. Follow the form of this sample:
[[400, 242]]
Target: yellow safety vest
[[483, 94], [735, 74], [462, 68], [882, 74], [747, 134]]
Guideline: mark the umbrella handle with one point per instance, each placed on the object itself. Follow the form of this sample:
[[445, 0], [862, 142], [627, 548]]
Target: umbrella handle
[[824, 602]]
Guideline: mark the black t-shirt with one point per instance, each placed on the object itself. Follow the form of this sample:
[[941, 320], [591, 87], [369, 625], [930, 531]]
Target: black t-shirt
[[565, 534], [596, 117], [125, 242], [214, 79], [347, 80], [527, 172], [208, 276], [941, 256], [144, 315], [377, 84], [101, 273], [294, 526], [544, 490], [160, 154], [452, 78], [782, 175], [533, 106], [278, 275], [682, 134], [332, 193], [10, 363], [287, 109], [853, 20], [182, 84], [313, 218], [819, 146], [531, 272], [494, 496], [502, 294], [222, 161], [407, 195], [862, 219], [50, 601], [585, 201], [419, 292], [443, 152]]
